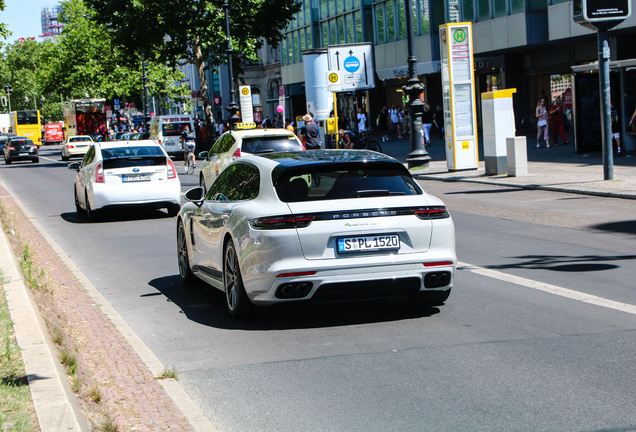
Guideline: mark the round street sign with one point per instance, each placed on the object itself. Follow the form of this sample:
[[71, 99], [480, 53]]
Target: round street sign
[[333, 77]]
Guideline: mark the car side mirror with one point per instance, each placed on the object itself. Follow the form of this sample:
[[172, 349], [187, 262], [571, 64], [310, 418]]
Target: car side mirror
[[195, 195], [74, 166], [203, 155]]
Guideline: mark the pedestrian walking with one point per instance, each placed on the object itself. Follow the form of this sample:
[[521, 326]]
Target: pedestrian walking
[[382, 122], [309, 133], [542, 123], [616, 129], [394, 117], [557, 122], [427, 124], [362, 120]]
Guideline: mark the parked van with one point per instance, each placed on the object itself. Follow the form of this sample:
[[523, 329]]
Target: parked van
[[53, 133], [167, 131]]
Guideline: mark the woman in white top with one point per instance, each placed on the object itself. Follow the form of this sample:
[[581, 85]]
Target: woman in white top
[[362, 120], [542, 122]]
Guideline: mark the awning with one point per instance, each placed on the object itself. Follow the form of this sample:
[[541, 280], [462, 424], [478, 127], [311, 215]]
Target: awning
[[617, 64]]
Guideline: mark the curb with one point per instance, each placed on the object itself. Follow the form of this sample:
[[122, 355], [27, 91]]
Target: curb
[[56, 406], [49, 397]]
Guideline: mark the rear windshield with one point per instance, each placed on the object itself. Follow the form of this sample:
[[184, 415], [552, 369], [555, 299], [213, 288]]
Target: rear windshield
[[22, 142], [173, 129], [270, 144], [359, 183], [124, 157], [79, 139]]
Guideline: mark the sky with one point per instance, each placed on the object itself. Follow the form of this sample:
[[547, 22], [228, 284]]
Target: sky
[[23, 17]]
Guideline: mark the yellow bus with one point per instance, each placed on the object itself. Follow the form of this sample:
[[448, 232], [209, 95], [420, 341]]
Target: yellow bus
[[26, 123]]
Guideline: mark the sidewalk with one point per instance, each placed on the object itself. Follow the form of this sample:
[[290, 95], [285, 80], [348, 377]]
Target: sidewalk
[[558, 168]]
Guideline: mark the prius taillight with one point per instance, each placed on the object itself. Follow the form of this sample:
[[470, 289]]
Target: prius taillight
[[172, 172], [99, 173]]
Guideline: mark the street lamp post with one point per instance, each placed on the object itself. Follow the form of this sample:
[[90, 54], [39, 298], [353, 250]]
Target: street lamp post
[[144, 65], [7, 89], [232, 108], [418, 156]]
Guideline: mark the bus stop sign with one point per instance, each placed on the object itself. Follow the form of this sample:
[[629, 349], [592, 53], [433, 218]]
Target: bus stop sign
[[601, 14]]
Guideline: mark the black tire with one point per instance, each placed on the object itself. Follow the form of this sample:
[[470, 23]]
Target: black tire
[[91, 214], [183, 261], [238, 304], [373, 146], [7, 161], [173, 209], [64, 158], [36, 160], [78, 209]]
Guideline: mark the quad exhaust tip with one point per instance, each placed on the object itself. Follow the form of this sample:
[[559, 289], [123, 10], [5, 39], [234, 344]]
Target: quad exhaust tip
[[293, 290]]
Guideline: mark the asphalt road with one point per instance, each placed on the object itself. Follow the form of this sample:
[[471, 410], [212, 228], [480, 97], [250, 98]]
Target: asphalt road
[[518, 346]]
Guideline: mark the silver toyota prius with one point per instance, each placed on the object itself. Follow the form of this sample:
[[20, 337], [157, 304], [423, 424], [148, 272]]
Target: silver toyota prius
[[316, 225]]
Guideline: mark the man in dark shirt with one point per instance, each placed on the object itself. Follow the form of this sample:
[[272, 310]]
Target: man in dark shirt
[[309, 133]]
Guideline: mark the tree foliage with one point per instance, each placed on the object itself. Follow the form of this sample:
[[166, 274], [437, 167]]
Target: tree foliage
[[82, 62], [194, 30], [4, 31]]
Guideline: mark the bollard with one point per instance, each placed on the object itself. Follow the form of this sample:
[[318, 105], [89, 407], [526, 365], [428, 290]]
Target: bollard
[[517, 157]]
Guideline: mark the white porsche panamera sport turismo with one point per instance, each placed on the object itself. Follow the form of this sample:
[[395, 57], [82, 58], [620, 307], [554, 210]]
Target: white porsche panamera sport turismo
[[316, 225]]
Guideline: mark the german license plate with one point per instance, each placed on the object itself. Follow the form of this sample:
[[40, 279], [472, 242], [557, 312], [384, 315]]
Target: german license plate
[[368, 243], [23, 154], [135, 177]]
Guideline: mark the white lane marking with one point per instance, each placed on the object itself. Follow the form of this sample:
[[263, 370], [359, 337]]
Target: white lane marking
[[549, 288]]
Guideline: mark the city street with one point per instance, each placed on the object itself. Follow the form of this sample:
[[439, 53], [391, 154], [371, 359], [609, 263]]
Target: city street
[[537, 334]]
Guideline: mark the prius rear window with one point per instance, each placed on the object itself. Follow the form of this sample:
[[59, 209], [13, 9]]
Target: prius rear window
[[124, 157]]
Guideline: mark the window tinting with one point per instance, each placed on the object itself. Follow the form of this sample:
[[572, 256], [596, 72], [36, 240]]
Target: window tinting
[[269, 144], [27, 117], [124, 157], [238, 182], [359, 183], [173, 129]]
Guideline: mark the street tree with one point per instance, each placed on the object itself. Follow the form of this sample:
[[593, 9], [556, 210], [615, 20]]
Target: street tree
[[4, 31], [194, 30], [88, 64]]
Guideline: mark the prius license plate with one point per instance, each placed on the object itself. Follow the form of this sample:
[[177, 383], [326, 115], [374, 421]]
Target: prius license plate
[[135, 177], [368, 243]]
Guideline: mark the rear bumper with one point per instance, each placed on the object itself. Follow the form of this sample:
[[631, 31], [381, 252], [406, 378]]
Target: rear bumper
[[342, 281], [167, 193]]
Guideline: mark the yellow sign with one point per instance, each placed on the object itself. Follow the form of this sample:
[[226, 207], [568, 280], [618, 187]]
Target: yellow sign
[[245, 91], [245, 126], [465, 145], [333, 77], [332, 126]]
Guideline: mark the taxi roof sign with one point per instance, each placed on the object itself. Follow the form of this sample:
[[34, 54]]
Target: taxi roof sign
[[248, 125]]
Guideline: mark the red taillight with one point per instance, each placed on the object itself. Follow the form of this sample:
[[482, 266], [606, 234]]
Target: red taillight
[[281, 222], [305, 273], [159, 142], [99, 174], [438, 263], [436, 212], [70, 146], [172, 172], [10, 148], [237, 153]]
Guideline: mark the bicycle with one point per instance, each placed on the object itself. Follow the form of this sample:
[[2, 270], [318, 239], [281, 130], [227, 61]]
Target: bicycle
[[191, 164], [362, 142]]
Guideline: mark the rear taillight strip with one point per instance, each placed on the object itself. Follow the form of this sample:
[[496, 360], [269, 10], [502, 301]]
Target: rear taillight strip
[[303, 220]]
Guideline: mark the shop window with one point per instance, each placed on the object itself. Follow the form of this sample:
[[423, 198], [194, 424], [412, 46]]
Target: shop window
[[350, 28], [401, 19], [517, 6], [378, 11], [390, 21], [468, 11], [357, 17], [500, 8], [483, 9]]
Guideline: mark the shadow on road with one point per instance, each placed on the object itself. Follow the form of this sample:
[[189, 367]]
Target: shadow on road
[[118, 215], [206, 305]]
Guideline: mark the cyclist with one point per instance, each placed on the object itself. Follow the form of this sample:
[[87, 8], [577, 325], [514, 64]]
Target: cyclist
[[187, 143], [348, 138]]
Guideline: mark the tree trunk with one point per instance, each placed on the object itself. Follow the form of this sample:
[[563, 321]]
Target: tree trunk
[[199, 63]]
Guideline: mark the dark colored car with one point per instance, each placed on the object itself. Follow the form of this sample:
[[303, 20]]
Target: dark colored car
[[20, 148]]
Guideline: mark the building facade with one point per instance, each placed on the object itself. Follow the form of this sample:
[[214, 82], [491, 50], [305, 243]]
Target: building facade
[[531, 45]]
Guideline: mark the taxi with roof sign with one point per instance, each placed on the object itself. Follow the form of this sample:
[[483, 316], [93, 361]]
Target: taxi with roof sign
[[246, 139]]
